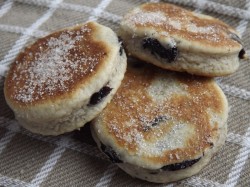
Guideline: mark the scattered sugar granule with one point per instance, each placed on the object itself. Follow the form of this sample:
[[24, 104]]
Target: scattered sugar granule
[[52, 68], [142, 18]]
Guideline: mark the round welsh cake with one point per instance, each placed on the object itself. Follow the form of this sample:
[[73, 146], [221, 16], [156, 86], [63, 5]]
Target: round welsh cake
[[176, 39], [65, 79], [162, 126]]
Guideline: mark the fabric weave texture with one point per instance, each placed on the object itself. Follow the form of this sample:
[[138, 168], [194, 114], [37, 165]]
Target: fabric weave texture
[[28, 159]]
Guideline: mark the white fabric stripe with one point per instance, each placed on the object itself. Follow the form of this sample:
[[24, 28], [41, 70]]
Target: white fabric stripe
[[198, 182], [242, 27], [107, 176], [3, 10], [248, 53], [49, 164], [12, 130], [85, 148], [243, 23], [199, 6], [19, 44], [75, 7], [7, 181], [166, 185], [162, 185], [5, 140], [111, 17], [99, 9], [22, 30], [238, 139], [6, 7], [234, 91], [72, 144], [239, 164], [3, 70], [216, 7]]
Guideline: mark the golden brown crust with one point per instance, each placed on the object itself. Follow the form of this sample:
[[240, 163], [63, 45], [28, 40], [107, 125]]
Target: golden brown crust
[[128, 119], [184, 25], [56, 65]]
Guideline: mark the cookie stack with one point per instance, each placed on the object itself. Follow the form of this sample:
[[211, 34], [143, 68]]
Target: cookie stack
[[163, 119], [162, 126]]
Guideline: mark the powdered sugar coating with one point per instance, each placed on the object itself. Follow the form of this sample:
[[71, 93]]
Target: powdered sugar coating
[[180, 24], [143, 18], [53, 64], [149, 125]]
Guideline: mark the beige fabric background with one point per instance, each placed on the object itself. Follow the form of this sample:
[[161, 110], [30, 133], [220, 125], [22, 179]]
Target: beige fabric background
[[28, 159]]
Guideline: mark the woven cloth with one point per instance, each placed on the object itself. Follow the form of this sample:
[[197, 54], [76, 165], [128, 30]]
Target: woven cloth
[[28, 159]]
